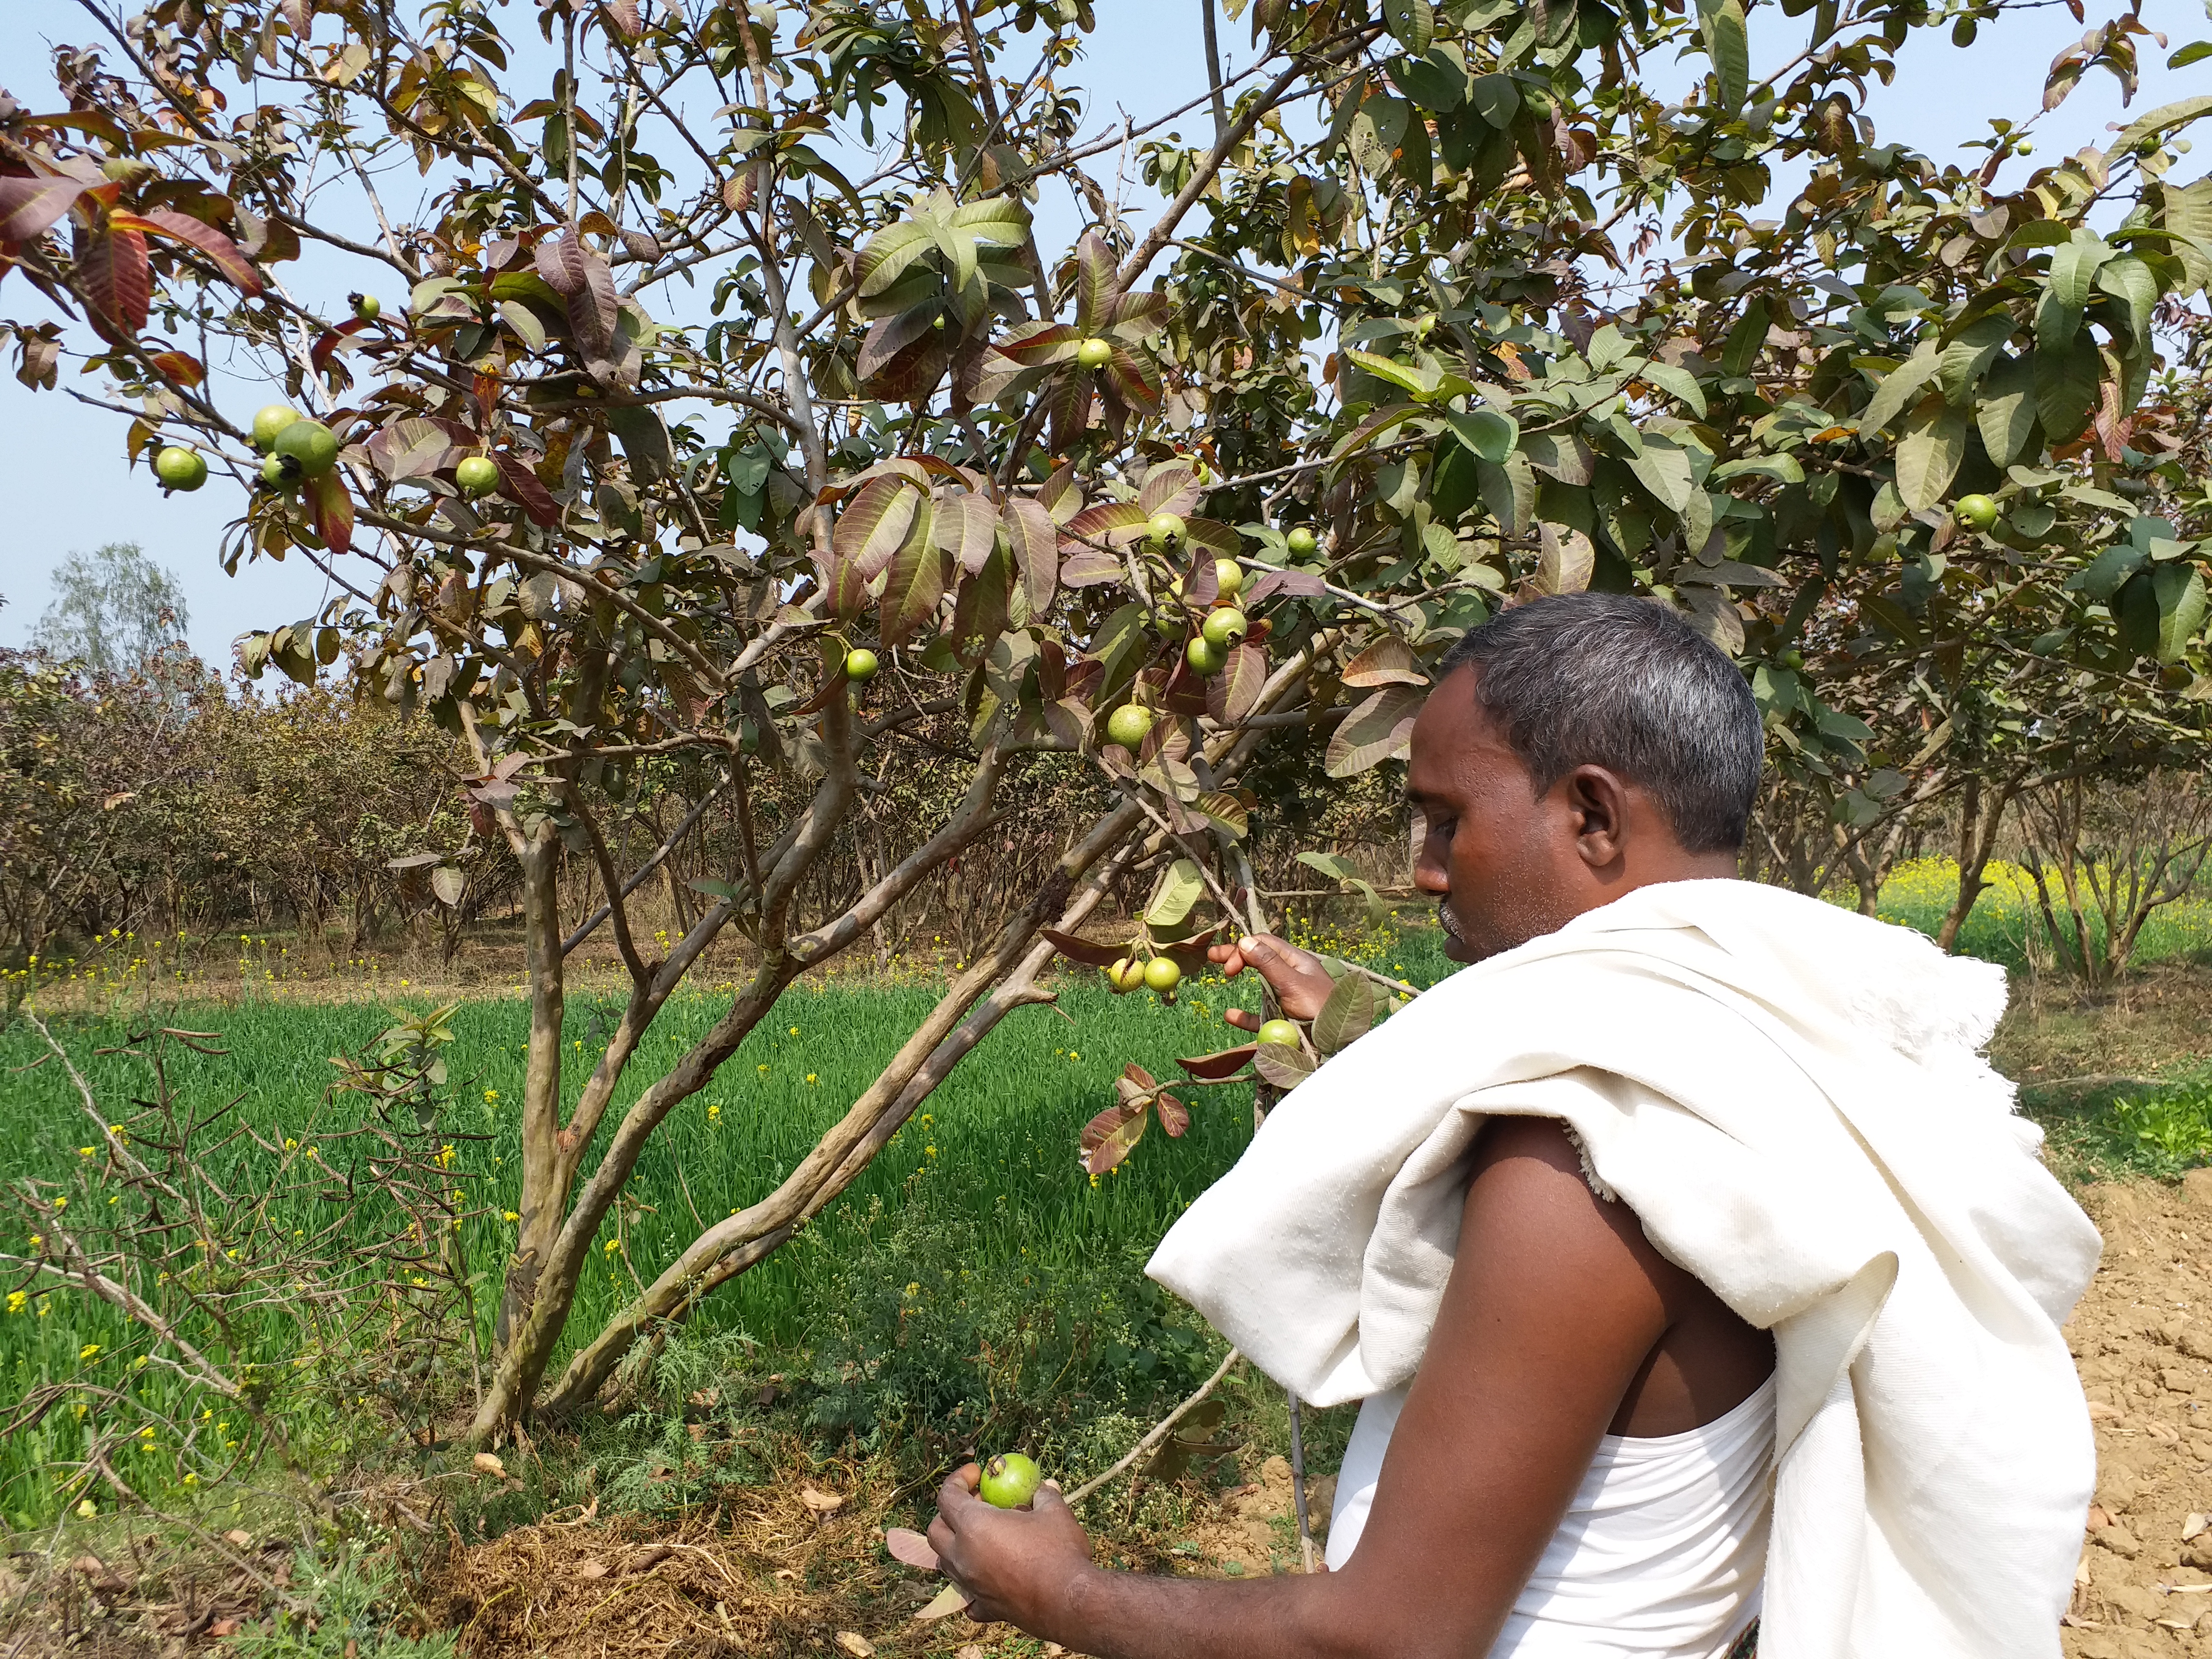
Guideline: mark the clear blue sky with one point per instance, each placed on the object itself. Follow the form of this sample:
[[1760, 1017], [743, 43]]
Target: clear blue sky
[[61, 468]]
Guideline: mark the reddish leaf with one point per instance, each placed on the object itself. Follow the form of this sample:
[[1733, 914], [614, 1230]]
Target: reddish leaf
[[1094, 283], [846, 588], [520, 485], [1113, 522], [332, 506], [1088, 951], [915, 586], [1280, 1064], [30, 207], [1134, 379], [1087, 568], [1212, 1068], [910, 1548], [1299, 584], [183, 228], [1040, 345], [1201, 585], [180, 367], [1174, 1115], [1037, 551], [1388, 661], [875, 524], [327, 342], [1133, 1072], [112, 265], [833, 685], [1059, 495], [1170, 487], [967, 528], [585, 285], [1113, 1134]]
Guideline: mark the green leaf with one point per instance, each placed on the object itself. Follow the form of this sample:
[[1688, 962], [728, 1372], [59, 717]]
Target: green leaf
[[1180, 889], [1676, 382], [2180, 589], [1484, 434], [2132, 281], [1729, 48], [1962, 362], [2195, 52], [1496, 99], [2102, 577], [1281, 1065], [2156, 123], [1412, 23], [1335, 867], [1404, 376], [2066, 387], [1376, 730], [2005, 411], [1509, 491], [887, 254], [1565, 562], [1377, 131], [1781, 468], [1344, 1018], [1928, 455], [1900, 388], [2073, 270]]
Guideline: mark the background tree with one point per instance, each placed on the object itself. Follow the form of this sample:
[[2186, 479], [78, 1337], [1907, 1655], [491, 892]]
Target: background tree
[[115, 610], [772, 440]]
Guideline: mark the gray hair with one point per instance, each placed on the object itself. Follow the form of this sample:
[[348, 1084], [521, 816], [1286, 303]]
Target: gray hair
[[1611, 680]]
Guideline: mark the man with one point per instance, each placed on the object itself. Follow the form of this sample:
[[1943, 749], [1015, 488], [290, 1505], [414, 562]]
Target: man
[[1689, 1210]]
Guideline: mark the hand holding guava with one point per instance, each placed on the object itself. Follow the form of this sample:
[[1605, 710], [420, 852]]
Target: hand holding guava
[[1016, 1564], [1300, 983]]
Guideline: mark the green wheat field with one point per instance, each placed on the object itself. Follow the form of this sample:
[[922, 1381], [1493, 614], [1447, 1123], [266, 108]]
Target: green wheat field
[[995, 1150]]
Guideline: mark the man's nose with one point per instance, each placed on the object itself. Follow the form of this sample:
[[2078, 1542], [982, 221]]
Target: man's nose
[[1429, 875]]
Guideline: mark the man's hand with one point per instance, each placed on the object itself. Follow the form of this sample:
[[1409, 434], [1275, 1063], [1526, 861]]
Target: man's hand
[[1019, 1565], [1300, 983]]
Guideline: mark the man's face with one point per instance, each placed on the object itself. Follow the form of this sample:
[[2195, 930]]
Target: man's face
[[1501, 860]]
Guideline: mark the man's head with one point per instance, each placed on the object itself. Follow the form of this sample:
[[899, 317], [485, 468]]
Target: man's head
[[1576, 747]]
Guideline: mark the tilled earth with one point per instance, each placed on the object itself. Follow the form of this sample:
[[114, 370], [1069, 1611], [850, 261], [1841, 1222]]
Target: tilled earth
[[2142, 1338]]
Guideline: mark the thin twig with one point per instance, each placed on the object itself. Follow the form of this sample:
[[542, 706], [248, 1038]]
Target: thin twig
[[1158, 1433]]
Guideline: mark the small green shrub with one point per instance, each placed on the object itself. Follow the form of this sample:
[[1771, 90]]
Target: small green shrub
[[930, 1359], [354, 1608], [2170, 1129]]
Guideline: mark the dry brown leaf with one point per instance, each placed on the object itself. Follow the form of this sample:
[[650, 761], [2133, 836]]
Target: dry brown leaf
[[238, 1538], [485, 1463], [971, 1651], [950, 1599], [2098, 1516], [90, 1566], [911, 1548], [223, 1627], [856, 1644], [592, 1567], [822, 1502]]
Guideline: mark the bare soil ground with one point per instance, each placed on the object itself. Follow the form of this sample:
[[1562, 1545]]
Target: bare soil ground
[[2142, 1338]]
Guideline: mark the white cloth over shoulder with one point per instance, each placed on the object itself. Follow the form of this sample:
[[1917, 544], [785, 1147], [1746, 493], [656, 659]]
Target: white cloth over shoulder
[[1792, 1099]]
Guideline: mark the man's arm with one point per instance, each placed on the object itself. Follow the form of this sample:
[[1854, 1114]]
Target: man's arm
[[1554, 1303]]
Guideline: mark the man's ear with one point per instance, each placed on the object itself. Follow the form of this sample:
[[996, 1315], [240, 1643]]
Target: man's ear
[[1600, 801]]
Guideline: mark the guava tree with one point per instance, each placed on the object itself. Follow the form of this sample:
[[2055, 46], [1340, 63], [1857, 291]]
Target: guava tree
[[723, 403]]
